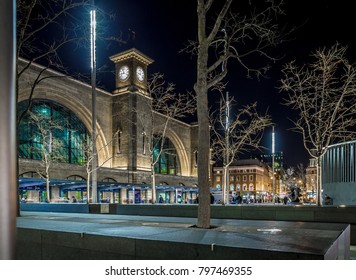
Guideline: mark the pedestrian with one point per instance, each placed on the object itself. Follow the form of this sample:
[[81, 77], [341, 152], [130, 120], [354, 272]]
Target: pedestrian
[[212, 198], [285, 200]]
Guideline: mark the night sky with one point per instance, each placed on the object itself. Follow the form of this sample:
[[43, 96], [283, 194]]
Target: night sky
[[162, 28]]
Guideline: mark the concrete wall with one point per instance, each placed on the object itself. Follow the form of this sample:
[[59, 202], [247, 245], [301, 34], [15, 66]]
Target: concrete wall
[[326, 214], [341, 193], [34, 244]]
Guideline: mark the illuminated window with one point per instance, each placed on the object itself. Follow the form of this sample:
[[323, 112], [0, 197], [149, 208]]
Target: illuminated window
[[71, 135], [168, 161]]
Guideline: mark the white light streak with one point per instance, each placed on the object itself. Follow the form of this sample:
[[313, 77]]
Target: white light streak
[[273, 141], [92, 37]]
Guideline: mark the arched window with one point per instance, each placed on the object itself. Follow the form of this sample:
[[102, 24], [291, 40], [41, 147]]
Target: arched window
[[76, 178], [69, 133], [108, 179], [168, 161], [30, 174]]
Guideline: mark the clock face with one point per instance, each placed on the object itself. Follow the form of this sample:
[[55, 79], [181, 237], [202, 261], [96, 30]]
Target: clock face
[[140, 74], [124, 72]]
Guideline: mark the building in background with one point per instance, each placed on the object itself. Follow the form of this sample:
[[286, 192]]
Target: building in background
[[251, 178], [339, 173]]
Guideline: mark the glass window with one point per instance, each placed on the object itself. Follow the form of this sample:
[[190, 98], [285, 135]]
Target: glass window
[[168, 161], [66, 137]]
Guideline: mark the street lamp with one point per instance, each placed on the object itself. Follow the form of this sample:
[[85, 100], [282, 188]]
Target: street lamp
[[227, 147], [273, 177], [93, 86]]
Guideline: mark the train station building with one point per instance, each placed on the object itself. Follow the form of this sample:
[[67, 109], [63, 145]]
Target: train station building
[[123, 119]]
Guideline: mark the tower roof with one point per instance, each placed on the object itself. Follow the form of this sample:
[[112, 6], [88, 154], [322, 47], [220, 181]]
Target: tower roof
[[132, 53]]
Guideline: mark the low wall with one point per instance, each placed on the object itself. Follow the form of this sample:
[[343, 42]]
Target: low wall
[[41, 244], [55, 207], [303, 213]]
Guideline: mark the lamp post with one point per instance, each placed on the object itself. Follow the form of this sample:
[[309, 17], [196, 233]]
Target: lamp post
[[273, 177], [227, 147], [93, 86], [8, 155]]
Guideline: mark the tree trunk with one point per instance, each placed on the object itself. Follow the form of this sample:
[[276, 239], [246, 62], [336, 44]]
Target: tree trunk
[[203, 165], [318, 182], [225, 190], [204, 142], [201, 90], [88, 188], [47, 189], [153, 182]]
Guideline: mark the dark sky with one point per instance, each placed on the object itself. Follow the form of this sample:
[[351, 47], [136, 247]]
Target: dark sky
[[163, 28]]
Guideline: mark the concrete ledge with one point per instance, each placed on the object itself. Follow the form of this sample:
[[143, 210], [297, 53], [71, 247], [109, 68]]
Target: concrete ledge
[[55, 207], [304, 213], [85, 238]]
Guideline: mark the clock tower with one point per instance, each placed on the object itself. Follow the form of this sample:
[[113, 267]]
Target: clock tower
[[132, 114], [131, 71]]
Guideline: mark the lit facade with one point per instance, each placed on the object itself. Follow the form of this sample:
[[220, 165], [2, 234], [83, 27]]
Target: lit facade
[[250, 178], [123, 118], [311, 180]]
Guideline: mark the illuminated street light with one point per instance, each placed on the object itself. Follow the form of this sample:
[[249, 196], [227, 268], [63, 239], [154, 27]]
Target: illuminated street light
[[273, 177], [93, 86]]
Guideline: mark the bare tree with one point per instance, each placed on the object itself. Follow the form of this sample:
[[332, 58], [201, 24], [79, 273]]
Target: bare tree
[[47, 145], [236, 135], [167, 105], [224, 36], [323, 95], [89, 162]]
